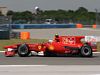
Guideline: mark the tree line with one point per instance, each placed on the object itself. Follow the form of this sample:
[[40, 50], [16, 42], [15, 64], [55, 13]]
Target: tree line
[[81, 15]]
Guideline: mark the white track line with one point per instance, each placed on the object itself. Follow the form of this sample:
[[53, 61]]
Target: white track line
[[23, 65], [2, 51], [96, 52]]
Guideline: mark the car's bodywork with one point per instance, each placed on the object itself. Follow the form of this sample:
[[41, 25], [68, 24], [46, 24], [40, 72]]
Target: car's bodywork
[[59, 45]]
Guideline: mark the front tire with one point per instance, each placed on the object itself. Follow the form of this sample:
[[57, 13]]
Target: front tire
[[86, 51], [23, 50]]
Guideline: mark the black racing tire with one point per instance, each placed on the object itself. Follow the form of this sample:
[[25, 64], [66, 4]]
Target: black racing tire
[[86, 51], [23, 50]]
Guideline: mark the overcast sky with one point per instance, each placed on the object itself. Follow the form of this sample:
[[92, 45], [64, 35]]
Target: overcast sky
[[20, 5]]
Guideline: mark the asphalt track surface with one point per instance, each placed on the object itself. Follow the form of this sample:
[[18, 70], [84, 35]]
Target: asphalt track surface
[[49, 33], [49, 70], [40, 60]]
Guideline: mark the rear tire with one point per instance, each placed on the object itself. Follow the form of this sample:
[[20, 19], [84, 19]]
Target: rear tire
[[86, 51], [23, 50]]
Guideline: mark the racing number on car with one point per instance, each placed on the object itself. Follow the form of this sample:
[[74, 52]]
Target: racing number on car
[[69, 40]]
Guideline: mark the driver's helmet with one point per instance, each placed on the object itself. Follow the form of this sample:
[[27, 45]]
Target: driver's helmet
[[56, 35]]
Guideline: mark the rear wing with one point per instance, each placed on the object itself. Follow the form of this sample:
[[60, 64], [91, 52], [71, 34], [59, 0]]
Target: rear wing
[[92, 38]]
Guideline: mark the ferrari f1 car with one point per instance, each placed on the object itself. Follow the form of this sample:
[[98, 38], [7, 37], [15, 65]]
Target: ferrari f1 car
[[59, 45]]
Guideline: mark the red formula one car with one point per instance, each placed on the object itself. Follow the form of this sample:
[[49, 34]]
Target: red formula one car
[[60, 45]]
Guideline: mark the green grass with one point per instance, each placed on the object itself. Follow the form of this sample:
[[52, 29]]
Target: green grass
[[98, 46], [15, 41]]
